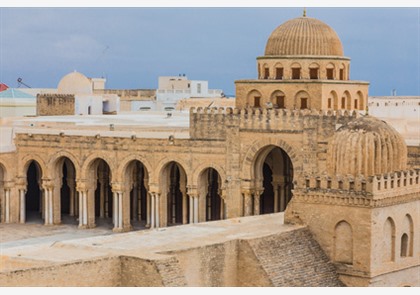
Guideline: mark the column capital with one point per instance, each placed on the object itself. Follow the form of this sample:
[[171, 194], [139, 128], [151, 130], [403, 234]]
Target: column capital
[[246, 191], [47, 183], [81, 185], [9, 184], [21, 182], [117, 187]]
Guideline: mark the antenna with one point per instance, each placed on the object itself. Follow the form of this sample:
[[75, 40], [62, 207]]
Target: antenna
[[21, 83]]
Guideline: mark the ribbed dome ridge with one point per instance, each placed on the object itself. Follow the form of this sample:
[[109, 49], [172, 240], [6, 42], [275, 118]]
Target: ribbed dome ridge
[[304, 36], [367, 146]]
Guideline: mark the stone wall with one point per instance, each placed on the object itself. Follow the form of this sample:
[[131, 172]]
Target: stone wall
[[103, 272], [294, 259], [291, 258], [55, 104]]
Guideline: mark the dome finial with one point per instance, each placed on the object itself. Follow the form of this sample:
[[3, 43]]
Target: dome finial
[[304, 12]]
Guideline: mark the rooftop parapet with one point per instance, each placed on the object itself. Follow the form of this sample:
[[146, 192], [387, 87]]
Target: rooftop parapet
[[210, 123], [378, 190]]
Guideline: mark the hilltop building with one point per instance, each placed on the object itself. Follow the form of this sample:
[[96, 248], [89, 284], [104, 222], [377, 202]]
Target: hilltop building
[[298, 141]]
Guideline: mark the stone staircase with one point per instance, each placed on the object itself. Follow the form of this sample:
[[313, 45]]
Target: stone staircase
[[294, 259]]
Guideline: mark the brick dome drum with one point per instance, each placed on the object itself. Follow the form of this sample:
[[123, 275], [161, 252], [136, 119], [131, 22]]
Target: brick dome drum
[[367, 146], [304, 36]]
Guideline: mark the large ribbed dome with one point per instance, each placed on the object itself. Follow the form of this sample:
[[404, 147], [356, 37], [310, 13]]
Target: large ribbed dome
[[367, 146], [304, 36]]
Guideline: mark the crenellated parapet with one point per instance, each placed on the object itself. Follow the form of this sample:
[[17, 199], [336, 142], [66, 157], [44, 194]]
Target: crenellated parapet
[[374, 191], [210, 123]]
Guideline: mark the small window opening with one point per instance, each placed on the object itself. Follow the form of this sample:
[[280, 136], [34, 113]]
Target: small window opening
[[341, 74], [303, 103], [313, 73], [329, 103], [280, 101], [266, 73], [355, 104], [295, 73], [343, 102], [330, 74], [257, 101], [279, 73]]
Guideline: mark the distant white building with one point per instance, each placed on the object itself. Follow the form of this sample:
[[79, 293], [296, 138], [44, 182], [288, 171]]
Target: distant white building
[[401, 112], [171, 89]]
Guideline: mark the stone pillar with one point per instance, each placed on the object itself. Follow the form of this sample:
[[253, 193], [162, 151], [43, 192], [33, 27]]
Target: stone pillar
[[276, 196], [148, 209], [152, 210], [195, 209], [48, 188], [157, 208], [282, 198], [7, 205], [248, 208], [257, 197], [222, 194], [82, 191], [184, 208], [70, 183], [191, 211], [114, 209], [22, 202]]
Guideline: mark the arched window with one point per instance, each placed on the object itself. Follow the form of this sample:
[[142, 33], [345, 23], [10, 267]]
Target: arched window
[[330, 71], [314, 71], [343, 103], [279, 73], [266, 72], [343, 246], [296, 71], [257, 101], [407, 238], [278, 99], [404, 245], [389, 241]]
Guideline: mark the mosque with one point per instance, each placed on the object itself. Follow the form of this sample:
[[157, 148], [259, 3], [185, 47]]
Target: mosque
[[299, 140]]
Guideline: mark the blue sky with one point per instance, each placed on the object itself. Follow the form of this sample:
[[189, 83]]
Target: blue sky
[[132, 47]]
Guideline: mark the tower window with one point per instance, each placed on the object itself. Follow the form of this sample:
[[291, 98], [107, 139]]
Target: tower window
[[266, 73], [295, 73], [343, 102], [330, 74], [257, 101], [280, 101], [355, 104], [303, 103], [329, 103], [279, 73], [341, 74], [313, 73]]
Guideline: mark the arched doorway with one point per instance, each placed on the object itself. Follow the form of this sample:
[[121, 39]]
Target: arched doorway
[[210, 184], [137, 179], [66, 186], [34, 207], [100, 202], [274, 180], [175, 190]]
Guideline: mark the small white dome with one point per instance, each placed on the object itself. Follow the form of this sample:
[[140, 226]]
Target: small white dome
[[75, 83]]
